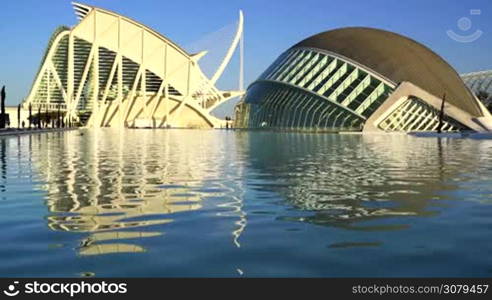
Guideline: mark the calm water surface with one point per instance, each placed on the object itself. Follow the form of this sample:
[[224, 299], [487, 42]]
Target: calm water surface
[[218, 203]]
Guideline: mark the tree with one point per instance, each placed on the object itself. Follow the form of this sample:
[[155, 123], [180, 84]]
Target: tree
[[441, 114], [2, 117]]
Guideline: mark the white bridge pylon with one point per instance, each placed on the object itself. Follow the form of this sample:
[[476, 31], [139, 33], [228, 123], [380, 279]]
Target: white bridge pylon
[[109, 71]]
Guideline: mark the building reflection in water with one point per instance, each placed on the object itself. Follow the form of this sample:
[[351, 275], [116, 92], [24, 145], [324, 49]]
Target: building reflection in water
[[122, 187], [3, 164], [359, 181], [116, 185]]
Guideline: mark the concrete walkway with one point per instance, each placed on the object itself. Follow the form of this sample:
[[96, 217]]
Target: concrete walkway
[[15, 131]]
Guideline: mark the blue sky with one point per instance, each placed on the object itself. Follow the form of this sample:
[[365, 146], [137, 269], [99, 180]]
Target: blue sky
[[271, 26]]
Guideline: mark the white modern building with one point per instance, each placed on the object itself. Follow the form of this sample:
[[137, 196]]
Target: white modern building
[[109, 70], [363, 80]]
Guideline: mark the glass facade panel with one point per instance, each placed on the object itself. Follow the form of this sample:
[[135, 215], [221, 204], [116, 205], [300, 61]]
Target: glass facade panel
[[279, 105]]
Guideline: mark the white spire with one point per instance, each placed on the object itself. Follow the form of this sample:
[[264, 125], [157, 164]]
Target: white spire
[[241, 62], [231, 50]]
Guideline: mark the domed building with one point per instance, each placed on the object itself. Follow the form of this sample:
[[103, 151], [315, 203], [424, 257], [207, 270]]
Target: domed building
[[360, 79]]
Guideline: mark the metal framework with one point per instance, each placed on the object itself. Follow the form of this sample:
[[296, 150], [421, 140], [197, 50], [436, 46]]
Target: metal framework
[[479, 81], [313, 89], [109, 70], [416, 115]]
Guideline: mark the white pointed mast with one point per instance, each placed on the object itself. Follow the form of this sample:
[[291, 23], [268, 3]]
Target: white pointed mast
[[231, 50], [241, 63]]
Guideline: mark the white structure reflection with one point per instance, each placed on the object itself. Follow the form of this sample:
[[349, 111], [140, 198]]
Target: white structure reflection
[[124, 185]]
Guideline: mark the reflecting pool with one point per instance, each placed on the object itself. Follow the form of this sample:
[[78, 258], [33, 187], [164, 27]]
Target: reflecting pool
[[231, 203]]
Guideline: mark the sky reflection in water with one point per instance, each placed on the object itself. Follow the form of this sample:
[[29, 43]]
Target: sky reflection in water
[[217, 203]]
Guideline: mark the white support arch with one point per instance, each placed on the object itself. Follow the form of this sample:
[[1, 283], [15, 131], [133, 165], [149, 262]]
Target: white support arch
[[231, 50]]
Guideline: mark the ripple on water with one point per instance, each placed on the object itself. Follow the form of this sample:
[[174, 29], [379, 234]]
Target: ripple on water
[[214, 203]]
